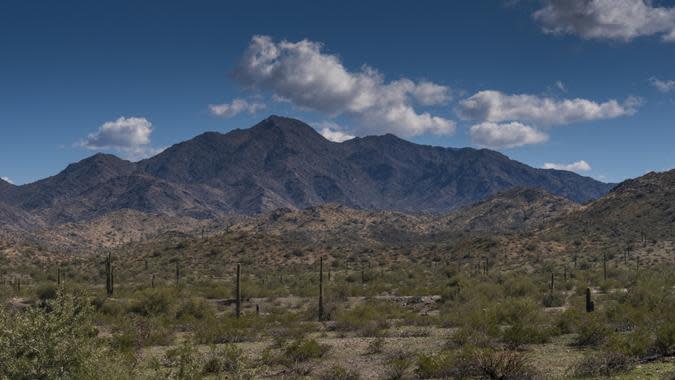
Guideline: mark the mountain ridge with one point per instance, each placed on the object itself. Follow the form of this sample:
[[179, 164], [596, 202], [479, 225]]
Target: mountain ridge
[[285, 163]]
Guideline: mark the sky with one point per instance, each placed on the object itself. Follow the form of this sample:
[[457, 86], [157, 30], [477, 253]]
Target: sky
[[581, 85]]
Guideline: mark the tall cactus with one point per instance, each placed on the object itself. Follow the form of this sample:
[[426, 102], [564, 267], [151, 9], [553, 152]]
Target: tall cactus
[[321, 289], [551, 285], [590, 306], [604, 266], [109, 278], [177, 273], [238, 291], [58, 276]]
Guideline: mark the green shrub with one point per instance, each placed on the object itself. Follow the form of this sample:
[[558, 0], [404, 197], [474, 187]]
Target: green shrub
[[46, 291], [515, 336], [637, 343], [137, 332], [303, 350], [53, 342], [183, 362], [153, 302], [227, 329], [195, 308], [665, 338], [592, 332], [365, 319]]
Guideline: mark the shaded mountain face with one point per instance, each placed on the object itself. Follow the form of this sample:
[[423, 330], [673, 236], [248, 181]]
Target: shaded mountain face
[[284, 163], [6, 189]]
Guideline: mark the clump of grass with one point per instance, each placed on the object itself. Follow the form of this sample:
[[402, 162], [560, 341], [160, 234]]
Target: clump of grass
[[398, 366], [604, 363], [339, 373], [437, 366], [227, 358], [376, 346]]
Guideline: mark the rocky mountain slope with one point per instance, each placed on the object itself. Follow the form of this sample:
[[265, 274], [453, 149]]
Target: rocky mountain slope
[[642, 205], [511, 211]]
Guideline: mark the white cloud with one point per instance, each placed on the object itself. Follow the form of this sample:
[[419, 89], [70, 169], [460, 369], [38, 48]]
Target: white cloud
[[496, 106], [664, 86], [332, 131], [560, 86], [300, 73], [6, 179], [130, 136], [236, 107], [621, 20], [579, 166], [506, 135]]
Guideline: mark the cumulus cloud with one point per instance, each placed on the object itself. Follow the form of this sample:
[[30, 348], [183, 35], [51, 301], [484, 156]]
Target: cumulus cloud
[[621, 20], [579, 166], [130, 136], [332, 131], [302, 74], [505, 135], [496, 106], [664, 86], [236, 107], [6, 179]]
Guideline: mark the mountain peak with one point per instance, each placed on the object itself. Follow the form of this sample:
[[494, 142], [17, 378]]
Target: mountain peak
[[286, 125], [99, 161]]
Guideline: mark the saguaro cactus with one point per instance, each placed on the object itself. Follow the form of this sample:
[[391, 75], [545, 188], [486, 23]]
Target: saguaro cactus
[[625, 255], [604, 266], [152, 282], [177, 274], [551, 285], [321, 289], [590, 306], [238, 291], [109, 278], [58, 276]]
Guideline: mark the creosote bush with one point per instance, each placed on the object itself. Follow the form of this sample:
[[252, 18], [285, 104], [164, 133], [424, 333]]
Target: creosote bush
[[56, 340]]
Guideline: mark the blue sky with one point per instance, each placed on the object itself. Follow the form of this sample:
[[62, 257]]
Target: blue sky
[[532, 79]]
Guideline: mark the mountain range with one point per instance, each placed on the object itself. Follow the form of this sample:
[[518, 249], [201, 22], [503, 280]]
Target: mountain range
[[280, 163]]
